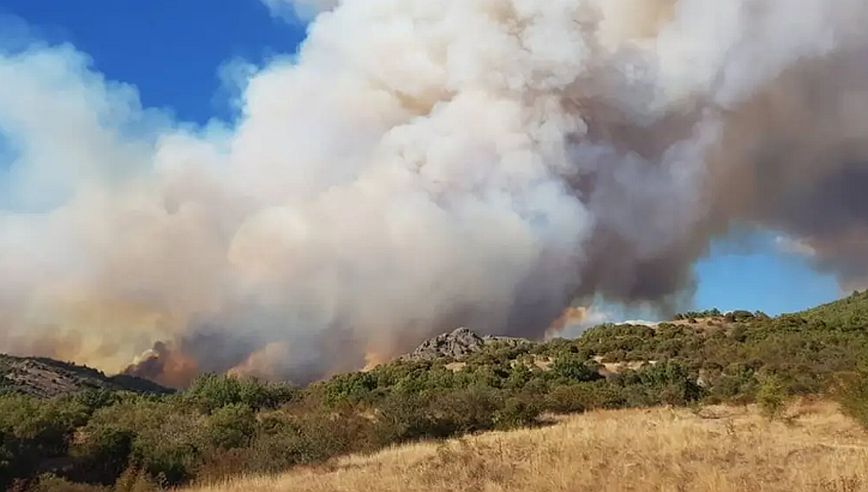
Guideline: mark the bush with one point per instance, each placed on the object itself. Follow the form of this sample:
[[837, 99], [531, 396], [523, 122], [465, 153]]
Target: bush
[[402, 417], [516, 412], [51, 483], [231, 426], [135, 479], [105, 448], [567, 399], [853, 393], [211, 392], [33, 430], [670, 384], [103, 454], [465, 411], [278, 445], [771, 397], [172, 450], [572, 367]]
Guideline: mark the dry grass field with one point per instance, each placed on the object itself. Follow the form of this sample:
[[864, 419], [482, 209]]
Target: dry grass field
[[713, 449]]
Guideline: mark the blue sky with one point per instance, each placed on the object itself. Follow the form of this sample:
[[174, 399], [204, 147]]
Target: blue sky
[[173, 51], [752, 272]]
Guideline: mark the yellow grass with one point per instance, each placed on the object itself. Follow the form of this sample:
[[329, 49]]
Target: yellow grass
[[715, 449]]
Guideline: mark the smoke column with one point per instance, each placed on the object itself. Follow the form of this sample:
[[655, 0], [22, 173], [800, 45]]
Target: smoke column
[[424, 165]]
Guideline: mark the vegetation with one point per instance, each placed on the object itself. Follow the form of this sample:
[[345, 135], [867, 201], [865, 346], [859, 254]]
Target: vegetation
[[721, 449], [48, 378], [222, 426], [853, 393], [771, 397]]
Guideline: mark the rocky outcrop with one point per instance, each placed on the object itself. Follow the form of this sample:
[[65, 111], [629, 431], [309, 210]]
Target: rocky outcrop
[[458, 345], [49, 378]]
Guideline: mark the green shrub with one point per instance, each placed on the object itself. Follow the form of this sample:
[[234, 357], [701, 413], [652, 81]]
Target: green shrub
[[518, 377], [103, 453], [736, 383], [573, 367], [211, 392], [405, 417], [231, 426], [278, 445], [516, 412], [134, 479], [571, 398], [465, 411], [51, 483], [163, 438], [853, 393], [106, 442], [33, 430], [771, 397]]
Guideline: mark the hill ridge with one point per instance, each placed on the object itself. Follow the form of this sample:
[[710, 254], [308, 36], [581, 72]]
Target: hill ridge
[[45, 377]]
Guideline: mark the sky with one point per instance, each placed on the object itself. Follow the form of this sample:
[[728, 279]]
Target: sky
[[172, 51], [757, 272], [180, 55]]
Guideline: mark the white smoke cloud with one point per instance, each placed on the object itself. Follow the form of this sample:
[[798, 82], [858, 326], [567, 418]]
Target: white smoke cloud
[[303, 9], [420, 166], [794, 246]]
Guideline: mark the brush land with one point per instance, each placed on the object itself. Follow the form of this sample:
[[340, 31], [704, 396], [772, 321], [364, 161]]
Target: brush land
[[716, 448], [102, 439]]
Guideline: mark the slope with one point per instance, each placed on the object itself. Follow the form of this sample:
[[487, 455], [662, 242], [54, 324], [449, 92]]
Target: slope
[[48, 378], [715, 449], [847, 313]]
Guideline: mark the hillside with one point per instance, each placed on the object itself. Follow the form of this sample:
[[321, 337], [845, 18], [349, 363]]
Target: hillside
[[847, 313], [715, 449], [461, 383], [48, 378]]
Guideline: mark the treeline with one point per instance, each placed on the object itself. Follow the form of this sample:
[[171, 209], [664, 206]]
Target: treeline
[[223, 426]]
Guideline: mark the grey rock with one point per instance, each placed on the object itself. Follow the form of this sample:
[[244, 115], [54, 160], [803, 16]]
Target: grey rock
[[458, 345]]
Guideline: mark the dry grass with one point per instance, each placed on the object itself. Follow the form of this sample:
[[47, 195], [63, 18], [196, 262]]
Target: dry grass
[[715, 449]]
